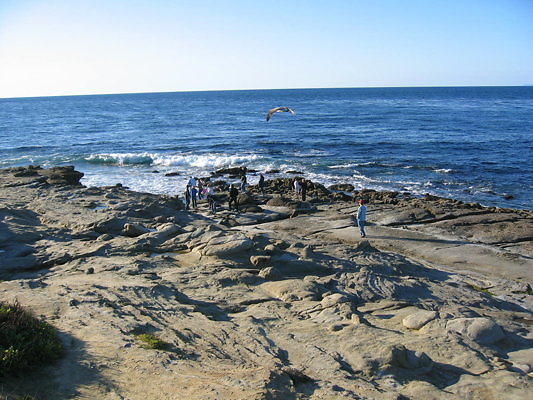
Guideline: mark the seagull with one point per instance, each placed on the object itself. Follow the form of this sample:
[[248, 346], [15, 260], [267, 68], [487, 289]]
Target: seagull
[[278, 109]]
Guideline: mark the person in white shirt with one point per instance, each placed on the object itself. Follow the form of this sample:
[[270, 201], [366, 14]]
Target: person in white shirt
[[297, 186]]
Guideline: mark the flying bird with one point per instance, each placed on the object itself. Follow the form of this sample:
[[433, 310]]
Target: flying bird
[[278, 109]]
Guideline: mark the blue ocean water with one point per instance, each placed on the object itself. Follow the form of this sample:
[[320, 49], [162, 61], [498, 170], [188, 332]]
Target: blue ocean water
[[469, 143]]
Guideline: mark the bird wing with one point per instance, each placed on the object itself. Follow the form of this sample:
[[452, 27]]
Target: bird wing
[[272, 111], [278, 109]]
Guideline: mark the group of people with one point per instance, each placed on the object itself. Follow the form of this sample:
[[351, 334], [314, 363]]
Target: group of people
[[300, 188], [261, 183], [197, 189]]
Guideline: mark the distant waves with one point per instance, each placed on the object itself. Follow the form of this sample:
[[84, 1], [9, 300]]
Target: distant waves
[[158, 159]]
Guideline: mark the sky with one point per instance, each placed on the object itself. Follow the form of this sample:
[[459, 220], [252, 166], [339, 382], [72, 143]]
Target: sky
[[73, 47]]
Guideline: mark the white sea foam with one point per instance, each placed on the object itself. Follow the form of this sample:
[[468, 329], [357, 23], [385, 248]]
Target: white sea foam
[[443, 170], [219, 160], [187, 160], [311, 153], [342, 166]]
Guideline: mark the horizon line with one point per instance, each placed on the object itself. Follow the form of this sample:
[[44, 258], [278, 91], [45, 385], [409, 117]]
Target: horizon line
[[260, 89]]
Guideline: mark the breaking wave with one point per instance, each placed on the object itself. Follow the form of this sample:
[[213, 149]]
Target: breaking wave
[[185, 160]]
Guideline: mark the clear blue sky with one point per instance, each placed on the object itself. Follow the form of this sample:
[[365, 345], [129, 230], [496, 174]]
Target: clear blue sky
[[61, 47]]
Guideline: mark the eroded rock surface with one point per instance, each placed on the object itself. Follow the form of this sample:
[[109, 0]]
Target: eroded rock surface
[[434, 304]]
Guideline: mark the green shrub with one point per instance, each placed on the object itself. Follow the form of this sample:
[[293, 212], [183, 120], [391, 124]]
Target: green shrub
[[482, 290], [25, 340], [150, 341]]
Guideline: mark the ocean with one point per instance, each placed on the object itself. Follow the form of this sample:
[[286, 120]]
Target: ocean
[[468, 143]]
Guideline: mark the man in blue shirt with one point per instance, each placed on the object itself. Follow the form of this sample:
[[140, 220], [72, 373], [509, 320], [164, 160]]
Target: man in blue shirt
[[361, 217]]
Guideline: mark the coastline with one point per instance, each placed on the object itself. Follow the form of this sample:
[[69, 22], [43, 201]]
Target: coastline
[[435, 141], [283, 300]]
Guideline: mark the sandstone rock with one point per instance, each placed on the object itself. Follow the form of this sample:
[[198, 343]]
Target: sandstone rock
[[356, 360], [408, 216], [30, 170], [271, 249], [522, 359], [110, 224], [296, 245], [307, 252], [340, 312], [294, 267], [62, 175], [345, 187], [132, 271], [419, 319], [381, 305], [237, 171], [291, 290], [282, 244], [336, 327], [270, 273], [424, 390], [104, 237], [279, 201], [296, 375], [228, 221], [245, 198], [481, 330], [340, 196], [261, 261], [416, 362], [226, 245], [134, 230], [333, 299], [164, 232], [229, 335], [252, 209]]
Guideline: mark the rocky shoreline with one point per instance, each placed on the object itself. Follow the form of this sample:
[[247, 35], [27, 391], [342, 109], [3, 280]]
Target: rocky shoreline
[[282, 300]]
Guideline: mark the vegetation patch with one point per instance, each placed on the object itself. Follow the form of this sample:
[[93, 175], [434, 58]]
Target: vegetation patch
[[151, 341], [25, 340], [482, 290]]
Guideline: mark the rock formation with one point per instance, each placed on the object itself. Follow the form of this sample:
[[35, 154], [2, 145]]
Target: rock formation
[[282, 302]]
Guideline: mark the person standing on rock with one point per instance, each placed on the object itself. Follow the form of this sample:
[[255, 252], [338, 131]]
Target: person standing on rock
[[233, 193], [201, 190], [361, 217], [188, 197], [243, 183], [262, 184], [297, 186], [194, 193], [212, 199], [303, 189]]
